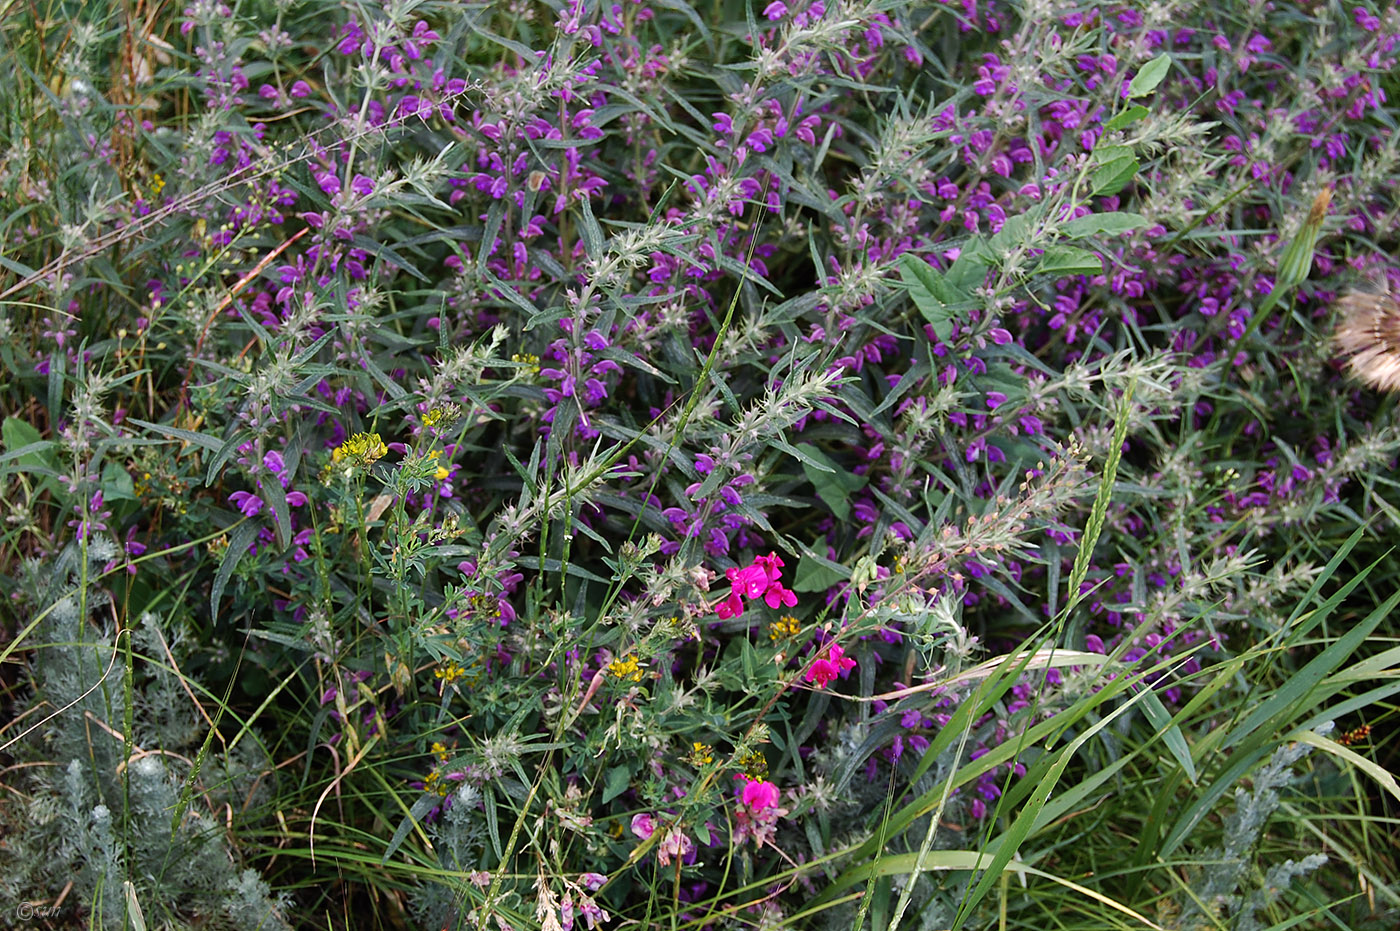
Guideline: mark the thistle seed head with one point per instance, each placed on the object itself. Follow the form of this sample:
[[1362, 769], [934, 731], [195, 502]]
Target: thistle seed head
[[1368, 338]]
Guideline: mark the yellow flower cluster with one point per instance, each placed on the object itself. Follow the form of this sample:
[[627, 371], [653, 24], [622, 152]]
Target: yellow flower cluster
[[442, 415], [450, 672], [440, 751], [434, 783], [701, 754], [627, 668], [785, 626], [754, 765], [364, 448]]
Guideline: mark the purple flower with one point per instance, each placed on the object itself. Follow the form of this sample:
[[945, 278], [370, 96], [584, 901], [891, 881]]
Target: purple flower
[[249, 504], [275, 463]]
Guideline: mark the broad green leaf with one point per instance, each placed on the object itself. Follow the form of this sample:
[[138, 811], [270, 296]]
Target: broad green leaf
[[816, 575], [1113, 171], [1069, 260], [1149, 76], [1095, 223], [24, 444], [931, 294], [1011, 234], [1130, 115], [833, 483], [968, 272], [117, 484], [616, 782], [281, 515], [591, 232], [494, 217]]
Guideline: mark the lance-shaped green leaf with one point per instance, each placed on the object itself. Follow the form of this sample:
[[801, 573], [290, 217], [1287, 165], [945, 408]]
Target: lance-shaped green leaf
[[1150, 75]]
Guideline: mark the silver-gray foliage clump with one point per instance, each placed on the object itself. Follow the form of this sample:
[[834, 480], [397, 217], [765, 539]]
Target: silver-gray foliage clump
[[99, 811], [1217, 888]]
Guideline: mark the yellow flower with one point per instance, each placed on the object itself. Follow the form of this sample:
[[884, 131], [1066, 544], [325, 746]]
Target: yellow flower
[[701, 754], [442, 472], [754, 764], [450, 672], [626, 668], [785, 626], [365, 448], [434, 783], [439, 751]]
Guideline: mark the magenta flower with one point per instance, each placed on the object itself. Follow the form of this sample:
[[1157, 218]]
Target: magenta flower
[[758, 794], [759, 579], [833, 663], [751, 581], [733, 606], [776, 595]]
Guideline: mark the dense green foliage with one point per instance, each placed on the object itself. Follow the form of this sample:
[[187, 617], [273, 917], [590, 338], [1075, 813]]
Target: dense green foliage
[[841, 464]]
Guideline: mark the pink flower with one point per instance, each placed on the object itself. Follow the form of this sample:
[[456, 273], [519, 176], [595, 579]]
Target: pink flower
[[758, 794], [776, 594], [751, 581], [643, 825], [760, 579], [833, 663], [675, 845], [733, 606], [757, 815]]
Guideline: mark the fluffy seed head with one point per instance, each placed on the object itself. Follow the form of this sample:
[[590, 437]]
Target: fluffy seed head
[[1368, 337]]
